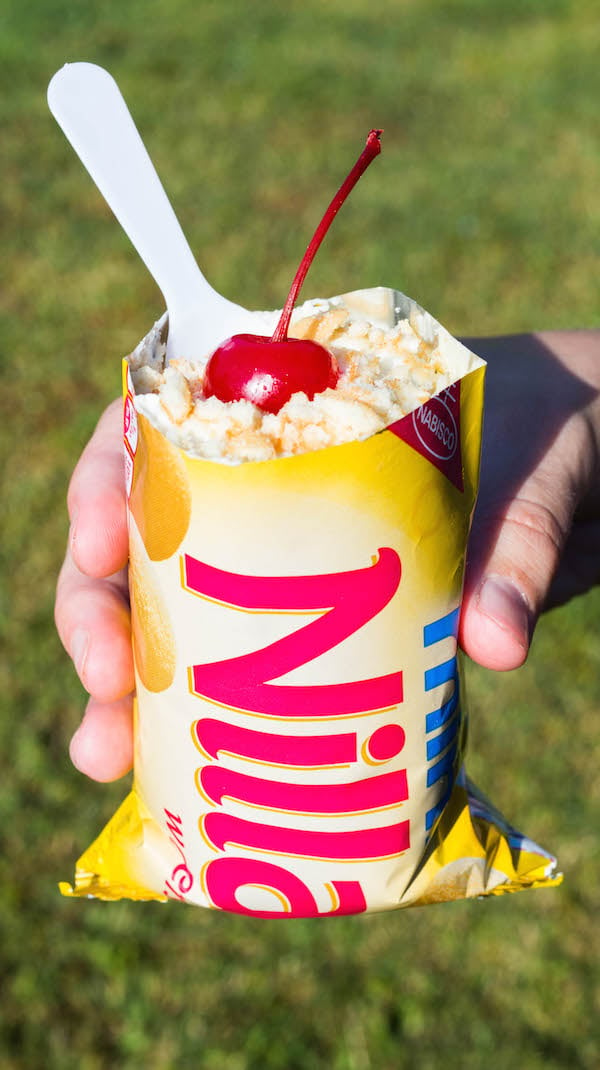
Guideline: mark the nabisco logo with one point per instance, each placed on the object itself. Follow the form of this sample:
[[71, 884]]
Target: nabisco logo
[[436, 428], [130, 437], [433, 430]]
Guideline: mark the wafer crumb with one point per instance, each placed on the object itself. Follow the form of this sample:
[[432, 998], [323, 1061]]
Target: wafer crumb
[[392, 358]]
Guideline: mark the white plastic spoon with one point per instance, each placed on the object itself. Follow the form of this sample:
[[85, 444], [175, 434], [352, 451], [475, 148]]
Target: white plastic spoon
[[87, 104]]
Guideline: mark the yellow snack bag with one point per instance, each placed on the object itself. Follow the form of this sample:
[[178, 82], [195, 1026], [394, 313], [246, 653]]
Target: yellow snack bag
[[299, 735]]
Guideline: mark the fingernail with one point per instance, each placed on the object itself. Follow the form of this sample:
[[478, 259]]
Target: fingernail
[[79, 648], [500, 600]]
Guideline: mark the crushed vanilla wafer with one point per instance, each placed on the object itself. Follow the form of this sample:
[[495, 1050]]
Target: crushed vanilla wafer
[[390, 364]]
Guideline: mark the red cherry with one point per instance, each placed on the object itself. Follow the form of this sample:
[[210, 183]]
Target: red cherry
[[267, 371]]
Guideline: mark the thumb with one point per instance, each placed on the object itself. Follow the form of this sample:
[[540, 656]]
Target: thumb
[[513, 555], [539, 464]]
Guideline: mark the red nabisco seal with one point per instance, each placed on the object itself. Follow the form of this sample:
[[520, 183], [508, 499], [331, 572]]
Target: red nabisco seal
[[130, 424], [130, 438], [436, 429], [433, 430]]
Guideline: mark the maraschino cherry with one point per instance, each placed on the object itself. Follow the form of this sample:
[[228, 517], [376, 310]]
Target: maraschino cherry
[[267, 371]]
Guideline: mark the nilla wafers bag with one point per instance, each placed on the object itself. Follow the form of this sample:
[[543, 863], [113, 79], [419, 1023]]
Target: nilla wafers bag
[[299, 732]]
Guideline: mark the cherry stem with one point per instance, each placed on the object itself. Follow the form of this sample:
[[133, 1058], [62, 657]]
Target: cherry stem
[[371, 150]]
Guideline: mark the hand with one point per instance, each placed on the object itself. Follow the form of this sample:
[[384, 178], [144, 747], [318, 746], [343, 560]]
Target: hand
[[92, 603], [534, 542]]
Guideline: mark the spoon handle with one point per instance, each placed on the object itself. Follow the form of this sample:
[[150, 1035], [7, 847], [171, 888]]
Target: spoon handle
[[88, 106]]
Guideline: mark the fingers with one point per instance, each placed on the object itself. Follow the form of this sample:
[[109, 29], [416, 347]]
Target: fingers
[[92, 604], [93, 621], [102, 746], [96, 501]]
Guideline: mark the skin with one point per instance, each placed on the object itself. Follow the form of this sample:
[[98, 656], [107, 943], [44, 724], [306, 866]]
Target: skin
[[534, 542]]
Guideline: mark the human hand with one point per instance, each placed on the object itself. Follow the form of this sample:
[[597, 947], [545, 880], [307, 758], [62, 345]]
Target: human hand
[[92, 603], [534, 541]]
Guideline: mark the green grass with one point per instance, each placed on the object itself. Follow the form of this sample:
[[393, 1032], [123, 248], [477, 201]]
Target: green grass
[[484, 206]]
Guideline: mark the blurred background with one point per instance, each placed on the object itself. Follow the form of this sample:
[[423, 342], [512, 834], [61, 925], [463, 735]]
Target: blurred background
[[485, 207]]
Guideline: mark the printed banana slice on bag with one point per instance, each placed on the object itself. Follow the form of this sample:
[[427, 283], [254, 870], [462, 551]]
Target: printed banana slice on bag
[[296, 583]]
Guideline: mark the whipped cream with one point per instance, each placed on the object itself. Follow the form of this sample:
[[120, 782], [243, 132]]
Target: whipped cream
[[392, 358]]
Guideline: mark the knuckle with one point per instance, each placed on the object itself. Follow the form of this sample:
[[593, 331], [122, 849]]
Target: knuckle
[[532, 544], [523, 539], [537, 525]]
